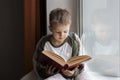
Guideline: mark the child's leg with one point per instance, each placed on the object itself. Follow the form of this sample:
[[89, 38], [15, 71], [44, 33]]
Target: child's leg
[[56, 77]]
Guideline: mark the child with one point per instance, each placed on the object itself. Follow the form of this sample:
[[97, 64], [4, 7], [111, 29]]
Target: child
[[59, 42]]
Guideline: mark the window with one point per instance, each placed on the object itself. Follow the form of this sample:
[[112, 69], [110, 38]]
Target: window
[[99, 30]]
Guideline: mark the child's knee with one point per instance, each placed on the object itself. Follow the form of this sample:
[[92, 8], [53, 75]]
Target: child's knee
[[56, 77]]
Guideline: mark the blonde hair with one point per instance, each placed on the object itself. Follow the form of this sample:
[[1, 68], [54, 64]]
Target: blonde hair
[[59, 16]]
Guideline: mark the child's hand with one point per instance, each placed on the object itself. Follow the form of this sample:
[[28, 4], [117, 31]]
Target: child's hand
[[69, 72], [51, 70]]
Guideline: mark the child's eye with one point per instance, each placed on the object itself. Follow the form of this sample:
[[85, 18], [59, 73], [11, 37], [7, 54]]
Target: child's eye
[[65, 31], [57, 32]]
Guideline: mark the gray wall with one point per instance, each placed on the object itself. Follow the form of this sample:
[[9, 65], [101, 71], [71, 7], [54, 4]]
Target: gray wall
[[11, 39]]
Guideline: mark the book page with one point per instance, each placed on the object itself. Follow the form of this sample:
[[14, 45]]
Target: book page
[[76, 60], [54, 57]]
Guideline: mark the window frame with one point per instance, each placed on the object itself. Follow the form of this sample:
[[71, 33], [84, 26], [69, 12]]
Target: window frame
[[80, 17]]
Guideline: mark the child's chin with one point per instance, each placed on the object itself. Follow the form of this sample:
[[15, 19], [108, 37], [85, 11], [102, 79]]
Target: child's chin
[[61, 40]]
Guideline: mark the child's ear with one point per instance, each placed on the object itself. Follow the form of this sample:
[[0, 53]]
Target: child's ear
[[50, 28]]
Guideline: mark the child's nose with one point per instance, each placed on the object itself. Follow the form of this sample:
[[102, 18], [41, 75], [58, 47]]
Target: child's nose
[[61, 34]]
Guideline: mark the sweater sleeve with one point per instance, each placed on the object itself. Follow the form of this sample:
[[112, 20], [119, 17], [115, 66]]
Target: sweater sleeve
[[76, 52], [38, 67]]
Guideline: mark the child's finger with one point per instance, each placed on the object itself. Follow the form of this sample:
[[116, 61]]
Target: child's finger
[[53, 69], [57, 71], [49, 69]]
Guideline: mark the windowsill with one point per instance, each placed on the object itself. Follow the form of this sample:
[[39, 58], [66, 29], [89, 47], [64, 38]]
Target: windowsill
[[102, 77]]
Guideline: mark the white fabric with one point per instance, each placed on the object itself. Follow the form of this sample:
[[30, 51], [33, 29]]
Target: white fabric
[[65, 51], [86, 75], [56, 77]]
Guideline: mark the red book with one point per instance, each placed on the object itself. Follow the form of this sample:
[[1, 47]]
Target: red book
[[50, 58]]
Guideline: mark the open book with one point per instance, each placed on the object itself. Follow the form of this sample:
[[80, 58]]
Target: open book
[[48, 57]]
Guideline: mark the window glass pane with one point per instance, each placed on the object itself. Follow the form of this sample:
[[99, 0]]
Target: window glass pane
[[101, 35]]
